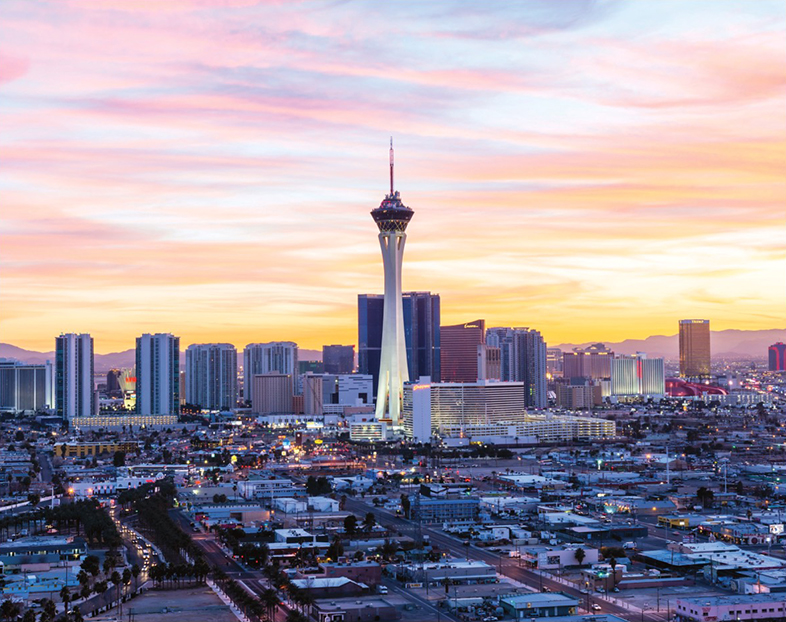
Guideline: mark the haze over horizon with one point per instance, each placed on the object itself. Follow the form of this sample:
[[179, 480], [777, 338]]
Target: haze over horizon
[[208, 168]]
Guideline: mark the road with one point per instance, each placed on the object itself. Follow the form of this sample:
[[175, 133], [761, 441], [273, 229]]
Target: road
[[505, 566], [253, 580]]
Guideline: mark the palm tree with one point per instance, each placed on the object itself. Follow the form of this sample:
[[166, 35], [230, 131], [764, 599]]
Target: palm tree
[[65, 596], [126, 580], [613, 564], [135, 571], [99, 588], [270, 600], [580, 554]]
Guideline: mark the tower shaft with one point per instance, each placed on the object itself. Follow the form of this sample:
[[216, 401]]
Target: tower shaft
[[393, 370]]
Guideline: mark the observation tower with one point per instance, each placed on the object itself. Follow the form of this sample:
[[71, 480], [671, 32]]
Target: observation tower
[[392, 218]]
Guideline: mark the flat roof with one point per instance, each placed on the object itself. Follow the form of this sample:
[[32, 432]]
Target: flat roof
[[737, 599], [540, 599]]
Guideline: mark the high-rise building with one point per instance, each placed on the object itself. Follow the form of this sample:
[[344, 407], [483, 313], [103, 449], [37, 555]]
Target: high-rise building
[[777, 352], [392, 218], [694, 348], [459, 351], [421, 330], [338, 359], [592, 362], [158, 374], [522, 359], [273, 394], [74, 391], [312, 394], [26, 387], [113, 381], [275, 357], [211, 376], [637, 376], [489, 364]]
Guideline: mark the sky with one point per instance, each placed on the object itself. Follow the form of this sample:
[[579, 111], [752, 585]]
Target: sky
[[594, 170]]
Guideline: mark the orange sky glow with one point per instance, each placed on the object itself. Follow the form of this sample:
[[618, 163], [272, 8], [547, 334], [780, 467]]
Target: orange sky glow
[[595, 170]]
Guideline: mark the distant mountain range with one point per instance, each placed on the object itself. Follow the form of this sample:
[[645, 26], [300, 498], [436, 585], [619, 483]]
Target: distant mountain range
[[728, 344], [105, 362]]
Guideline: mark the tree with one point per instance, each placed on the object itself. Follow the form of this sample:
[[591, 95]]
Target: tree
[[580, 555], [100, 587], [109, 563], [65, 596], [30, 616], [91, 564], [10, 610], [369, 521], [336, 549], [405, 505], [705, 496], [136, 570], [49, 607], [126, 579], [350, 524], [119, 459], [613, 564]]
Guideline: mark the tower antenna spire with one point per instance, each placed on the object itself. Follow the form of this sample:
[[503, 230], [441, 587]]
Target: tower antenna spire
[[391, 166]]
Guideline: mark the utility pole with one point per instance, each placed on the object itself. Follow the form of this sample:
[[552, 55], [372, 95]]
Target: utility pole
[[668, 473]]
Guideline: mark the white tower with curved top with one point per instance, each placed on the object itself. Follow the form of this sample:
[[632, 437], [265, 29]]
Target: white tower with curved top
[[392, 218]]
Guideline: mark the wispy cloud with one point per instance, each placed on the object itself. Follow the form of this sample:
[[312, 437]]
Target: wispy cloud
[[592, 169]]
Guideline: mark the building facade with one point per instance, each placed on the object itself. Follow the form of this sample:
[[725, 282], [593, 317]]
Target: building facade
[[273, 394], [777, 354], [421, 333], [592, 362], [338, 359], [459, 352], [456, 405], [211, 376], [26, 387], [638, 376], [694, 348], [522, 359], [158, 374], [275, 357], [75, 395]]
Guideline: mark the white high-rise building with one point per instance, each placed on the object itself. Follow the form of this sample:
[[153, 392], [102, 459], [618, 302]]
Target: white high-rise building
[[75, 394], [276, 357], [392, 218], [158, 374], [211, 375]]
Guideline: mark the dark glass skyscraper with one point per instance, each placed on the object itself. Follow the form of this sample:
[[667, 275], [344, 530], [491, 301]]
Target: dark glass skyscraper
[[338, 359], [421, 331]]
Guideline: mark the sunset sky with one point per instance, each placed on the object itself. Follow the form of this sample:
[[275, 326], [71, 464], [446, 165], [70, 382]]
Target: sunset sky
[[595, 170]]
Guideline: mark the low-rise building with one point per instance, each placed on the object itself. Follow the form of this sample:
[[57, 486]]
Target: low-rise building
[[445, 510], [82, 450], [739, 607], [539, 605], [456, 571]]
